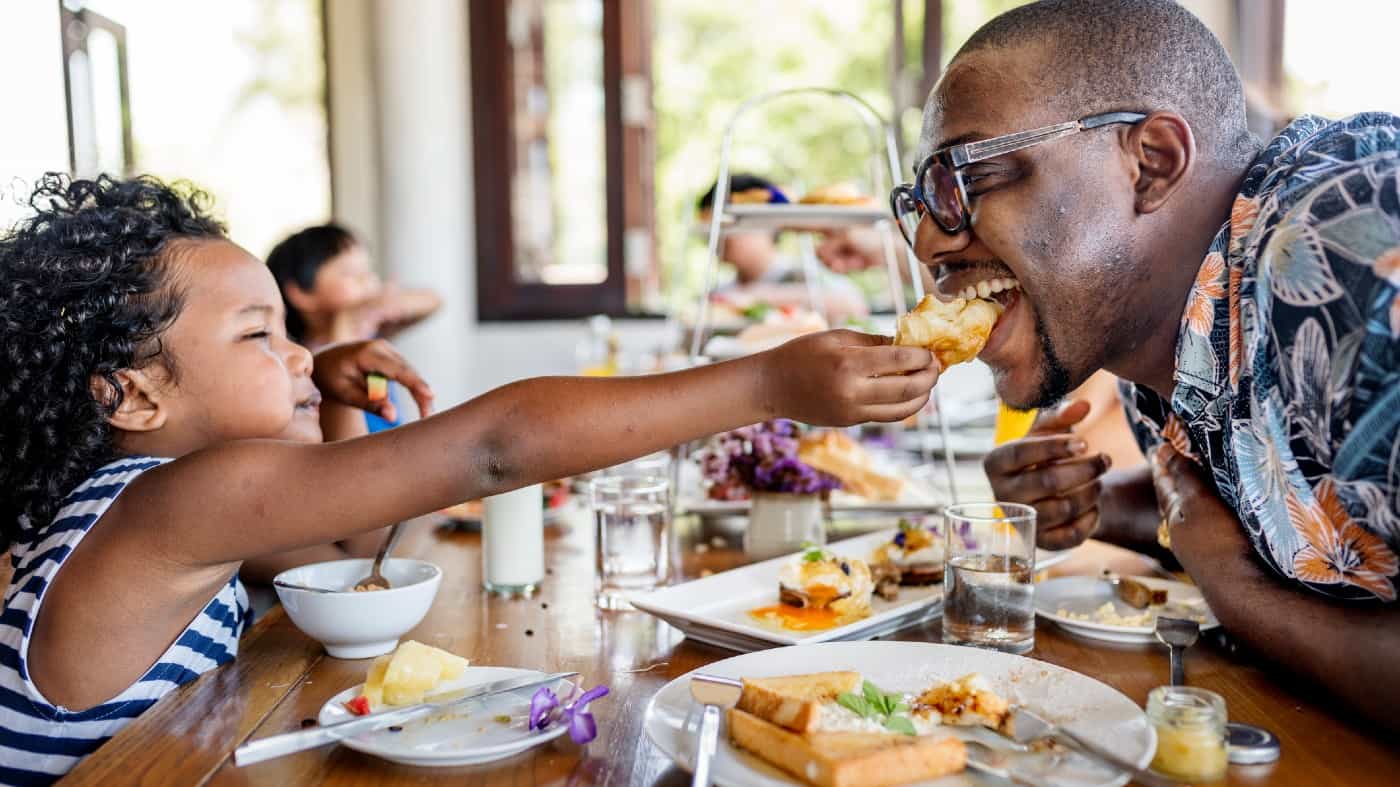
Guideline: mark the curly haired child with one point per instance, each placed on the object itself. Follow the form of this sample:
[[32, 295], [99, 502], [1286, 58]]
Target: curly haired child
[[147, 368]]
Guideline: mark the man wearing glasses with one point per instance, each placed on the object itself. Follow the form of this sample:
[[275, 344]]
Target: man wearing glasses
[[1087, 164]]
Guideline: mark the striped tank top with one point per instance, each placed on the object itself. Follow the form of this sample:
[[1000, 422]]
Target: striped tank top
[[39, 742]]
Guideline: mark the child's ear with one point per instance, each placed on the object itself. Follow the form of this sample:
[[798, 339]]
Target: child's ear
[[142, 407], [300, 299]]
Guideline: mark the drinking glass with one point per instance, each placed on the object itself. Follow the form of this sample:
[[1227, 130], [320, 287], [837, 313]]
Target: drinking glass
[[632, 514], [988, 585]]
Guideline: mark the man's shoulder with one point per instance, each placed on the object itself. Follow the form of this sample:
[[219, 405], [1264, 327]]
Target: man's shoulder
[[1312, 153]]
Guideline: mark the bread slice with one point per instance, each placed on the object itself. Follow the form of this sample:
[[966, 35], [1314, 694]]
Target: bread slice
[[848, 759], [836, 454], [794, 701]]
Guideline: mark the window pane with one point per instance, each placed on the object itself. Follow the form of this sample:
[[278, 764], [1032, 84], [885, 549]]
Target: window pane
[[559, 193]]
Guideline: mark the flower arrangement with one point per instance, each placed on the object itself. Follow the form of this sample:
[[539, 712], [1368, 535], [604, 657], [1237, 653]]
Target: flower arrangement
[[761, 458]]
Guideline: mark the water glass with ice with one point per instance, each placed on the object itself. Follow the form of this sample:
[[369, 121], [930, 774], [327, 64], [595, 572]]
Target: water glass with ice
[[988, 584], [632, 516]]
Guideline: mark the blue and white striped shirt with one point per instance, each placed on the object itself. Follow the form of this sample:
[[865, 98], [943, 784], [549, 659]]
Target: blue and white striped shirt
[[40, 742]]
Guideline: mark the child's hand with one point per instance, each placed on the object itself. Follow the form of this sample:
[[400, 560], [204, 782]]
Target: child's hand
[[839, 378], [341, 372]]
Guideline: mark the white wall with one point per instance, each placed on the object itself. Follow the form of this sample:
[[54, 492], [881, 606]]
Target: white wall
[[34, 132]]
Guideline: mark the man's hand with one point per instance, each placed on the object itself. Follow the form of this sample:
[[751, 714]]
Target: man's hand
[[1050, 470], [342, 371], [1205, 534], [839, 378]]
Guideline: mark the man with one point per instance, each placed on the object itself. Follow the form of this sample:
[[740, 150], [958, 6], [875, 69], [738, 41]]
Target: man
[[1246, 293]]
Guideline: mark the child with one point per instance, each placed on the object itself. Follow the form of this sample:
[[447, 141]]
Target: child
[[146, 362], [332, 295]]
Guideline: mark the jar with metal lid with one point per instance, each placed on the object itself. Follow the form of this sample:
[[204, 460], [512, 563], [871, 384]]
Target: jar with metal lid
[[1190, 726]]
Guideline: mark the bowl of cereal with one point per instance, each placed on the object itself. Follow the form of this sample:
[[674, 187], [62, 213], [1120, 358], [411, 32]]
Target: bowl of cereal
[[321, 600]]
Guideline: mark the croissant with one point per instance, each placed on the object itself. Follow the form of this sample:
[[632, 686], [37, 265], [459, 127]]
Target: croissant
[[954, 332]]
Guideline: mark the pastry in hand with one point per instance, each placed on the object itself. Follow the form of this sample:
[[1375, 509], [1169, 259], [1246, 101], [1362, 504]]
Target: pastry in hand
[[954, 332]]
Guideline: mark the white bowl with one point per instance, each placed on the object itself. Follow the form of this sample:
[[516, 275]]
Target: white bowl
[[358, 625]]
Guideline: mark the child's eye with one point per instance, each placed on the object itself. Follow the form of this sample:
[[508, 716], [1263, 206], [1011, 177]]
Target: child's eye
[[257, 335]]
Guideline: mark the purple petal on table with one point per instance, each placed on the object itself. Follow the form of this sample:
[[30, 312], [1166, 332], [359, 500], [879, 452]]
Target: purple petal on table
[[594, 693], [582, 727]]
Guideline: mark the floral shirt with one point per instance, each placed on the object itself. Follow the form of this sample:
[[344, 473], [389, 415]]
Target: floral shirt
[[1288, 362]]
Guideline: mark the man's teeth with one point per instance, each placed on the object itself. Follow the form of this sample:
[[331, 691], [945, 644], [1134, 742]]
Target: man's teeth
[[988, 287]]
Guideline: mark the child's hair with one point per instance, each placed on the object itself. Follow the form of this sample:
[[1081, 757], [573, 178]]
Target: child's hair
[[298, 258], [84, 293]]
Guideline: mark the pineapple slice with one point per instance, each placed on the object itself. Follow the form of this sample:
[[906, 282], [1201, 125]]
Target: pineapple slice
[[414, 669], [374, 681]]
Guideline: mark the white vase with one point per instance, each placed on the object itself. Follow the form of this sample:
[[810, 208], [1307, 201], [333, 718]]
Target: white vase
[[780, 523]]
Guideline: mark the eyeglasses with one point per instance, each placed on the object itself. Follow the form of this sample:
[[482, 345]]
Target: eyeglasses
[[938, 188]]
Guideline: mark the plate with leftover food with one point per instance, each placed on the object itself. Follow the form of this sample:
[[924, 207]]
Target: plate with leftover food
[[853, 589], [477, 732], [1125, 610], [849, 714]]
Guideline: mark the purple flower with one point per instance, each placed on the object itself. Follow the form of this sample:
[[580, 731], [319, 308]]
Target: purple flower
[[545, 708], [761, 457]]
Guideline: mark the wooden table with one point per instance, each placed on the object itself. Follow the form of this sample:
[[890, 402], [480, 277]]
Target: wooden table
[[281, 678]]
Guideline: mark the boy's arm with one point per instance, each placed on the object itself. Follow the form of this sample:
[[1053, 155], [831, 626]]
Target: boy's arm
[[404, 308], [261, 497]]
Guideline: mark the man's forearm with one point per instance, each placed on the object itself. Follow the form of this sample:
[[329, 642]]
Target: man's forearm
[[1347, 649], [1128, 513]]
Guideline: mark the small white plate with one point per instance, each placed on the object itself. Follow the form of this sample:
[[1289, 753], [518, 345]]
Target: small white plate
[[1083, 595], [1095, 710], [469, 736], [715, 609]]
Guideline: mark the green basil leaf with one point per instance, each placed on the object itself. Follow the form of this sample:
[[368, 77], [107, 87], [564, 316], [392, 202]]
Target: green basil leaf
[[855, 704], [900, 724], [873, 694]]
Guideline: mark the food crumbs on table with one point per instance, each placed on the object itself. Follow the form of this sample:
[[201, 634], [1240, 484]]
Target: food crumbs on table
[[544, 605], [701, 549], [308, 723], [717, 542], [504, 718], [706, 572], [395, 728], [529, 632]]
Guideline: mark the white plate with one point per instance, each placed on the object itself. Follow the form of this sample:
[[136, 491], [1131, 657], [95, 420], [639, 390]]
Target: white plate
[[1083, 704], [1083, 595], [469, 736], [715, 609]]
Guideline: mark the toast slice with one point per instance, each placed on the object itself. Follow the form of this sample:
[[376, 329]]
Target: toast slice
[[795, 701], [848, 759]]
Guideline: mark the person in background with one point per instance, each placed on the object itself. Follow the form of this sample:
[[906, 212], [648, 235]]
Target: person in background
[[762, 272], [332, 295]]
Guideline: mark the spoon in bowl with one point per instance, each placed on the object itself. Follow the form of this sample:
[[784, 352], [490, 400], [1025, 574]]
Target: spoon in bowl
[[376, 580]]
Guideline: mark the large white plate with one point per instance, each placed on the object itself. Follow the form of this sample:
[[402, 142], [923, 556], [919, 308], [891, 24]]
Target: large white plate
[[470, 736], [1083, 595], [715, 609], [1085, 705]]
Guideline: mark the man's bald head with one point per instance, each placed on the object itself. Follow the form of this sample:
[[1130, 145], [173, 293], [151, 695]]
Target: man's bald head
[[1141, 55]]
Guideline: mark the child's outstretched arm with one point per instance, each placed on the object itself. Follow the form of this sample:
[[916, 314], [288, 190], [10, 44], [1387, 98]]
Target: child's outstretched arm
[[258, 497]]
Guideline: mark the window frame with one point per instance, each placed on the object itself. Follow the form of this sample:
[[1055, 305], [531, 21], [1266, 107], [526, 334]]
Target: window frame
[[500, 296]]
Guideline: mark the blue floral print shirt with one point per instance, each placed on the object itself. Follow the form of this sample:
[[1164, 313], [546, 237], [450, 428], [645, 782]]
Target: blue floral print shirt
[[1288, 361]]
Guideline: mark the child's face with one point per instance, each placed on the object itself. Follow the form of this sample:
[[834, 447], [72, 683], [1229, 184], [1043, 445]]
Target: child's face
[[237, 375], [345, 281]]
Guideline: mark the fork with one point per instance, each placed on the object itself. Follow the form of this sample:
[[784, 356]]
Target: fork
[[996, 768], [1025, 726], [1178, 634]]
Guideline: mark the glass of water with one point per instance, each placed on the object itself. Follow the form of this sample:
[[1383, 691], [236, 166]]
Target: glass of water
[[632, 515], [988, 585]]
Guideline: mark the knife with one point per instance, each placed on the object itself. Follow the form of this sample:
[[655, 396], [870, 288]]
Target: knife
[[714, 693], [292, 742]]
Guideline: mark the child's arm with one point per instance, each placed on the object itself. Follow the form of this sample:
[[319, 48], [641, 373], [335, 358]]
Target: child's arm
[[241, 500], [404, 308]]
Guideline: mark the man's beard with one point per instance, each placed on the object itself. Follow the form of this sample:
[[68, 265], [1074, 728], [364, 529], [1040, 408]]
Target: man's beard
[[1055, 383]]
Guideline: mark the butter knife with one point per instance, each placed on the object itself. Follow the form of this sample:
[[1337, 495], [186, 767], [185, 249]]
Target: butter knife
[[292, 742], [714, 693]]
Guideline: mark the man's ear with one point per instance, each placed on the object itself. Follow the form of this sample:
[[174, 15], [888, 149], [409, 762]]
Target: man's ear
[[142, 407], [1162, 151]]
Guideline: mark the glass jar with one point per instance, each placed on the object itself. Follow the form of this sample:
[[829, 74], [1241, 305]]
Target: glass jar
[[1190, 726]]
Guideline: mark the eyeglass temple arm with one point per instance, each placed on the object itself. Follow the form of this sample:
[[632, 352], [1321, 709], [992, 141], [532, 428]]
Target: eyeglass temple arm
[[979, 151]]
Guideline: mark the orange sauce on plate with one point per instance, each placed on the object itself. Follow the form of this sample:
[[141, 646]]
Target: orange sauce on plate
[[798, 618]]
